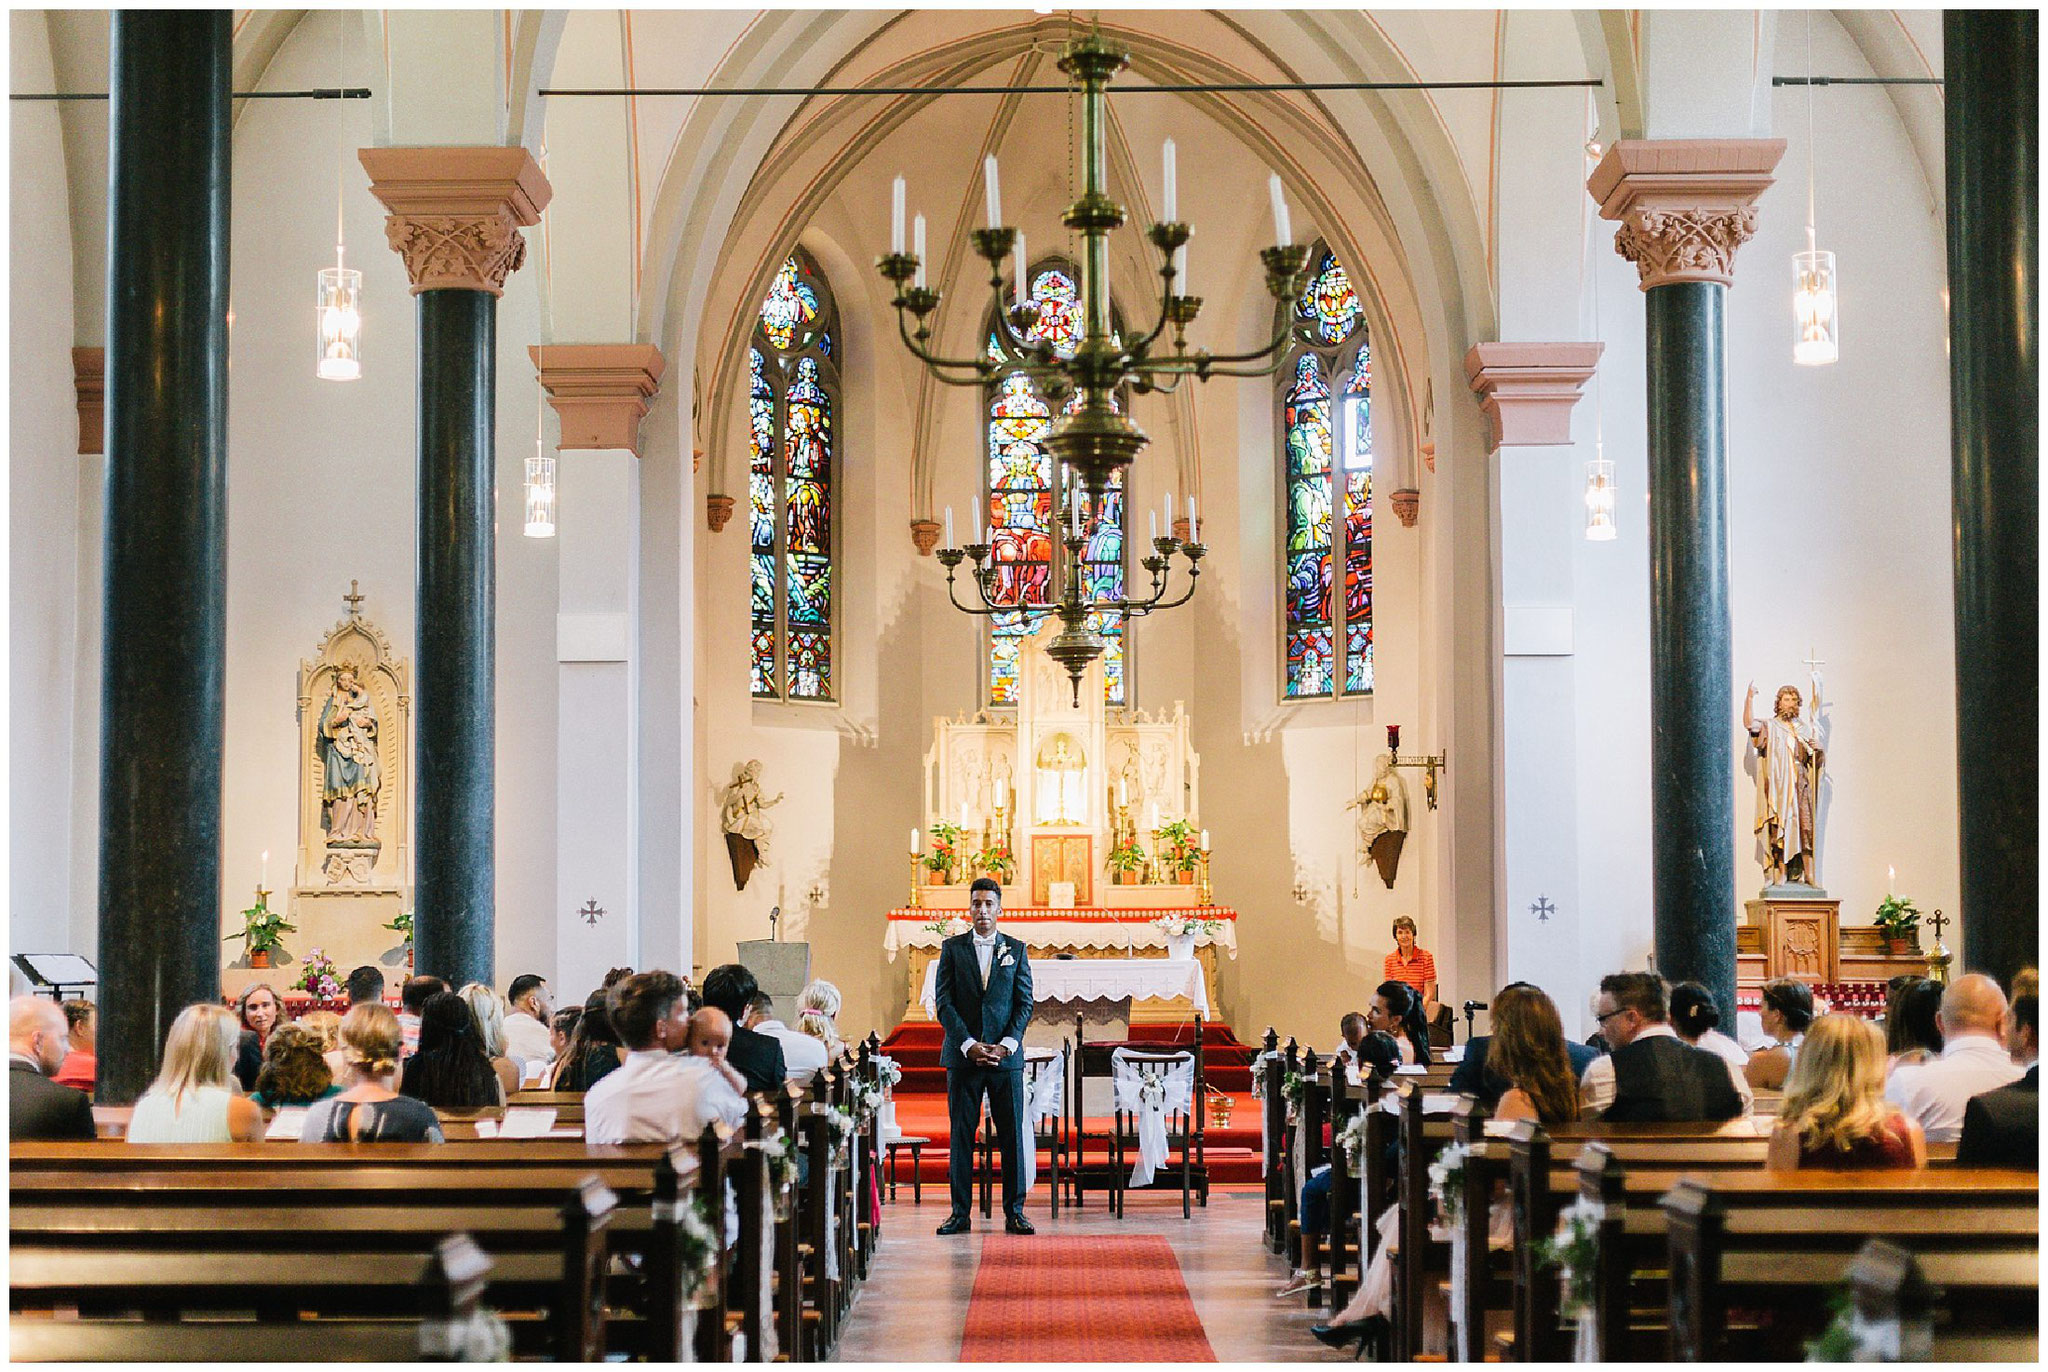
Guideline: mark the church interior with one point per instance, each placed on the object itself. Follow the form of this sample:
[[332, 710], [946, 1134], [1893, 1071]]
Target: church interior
[[1287, 498]]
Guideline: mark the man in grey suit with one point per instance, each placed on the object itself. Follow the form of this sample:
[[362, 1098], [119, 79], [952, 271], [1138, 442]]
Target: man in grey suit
[[38, 1108], [984, 1002]]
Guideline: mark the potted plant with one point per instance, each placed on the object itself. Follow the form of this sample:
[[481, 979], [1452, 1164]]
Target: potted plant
[[263, 931], [1179, 847], [401, 924], [996, 861], [1127, 861], [1900, 921], [944, 855], [319, 979]]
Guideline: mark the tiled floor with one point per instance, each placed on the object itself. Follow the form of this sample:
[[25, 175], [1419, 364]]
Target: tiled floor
[[914, 1305]]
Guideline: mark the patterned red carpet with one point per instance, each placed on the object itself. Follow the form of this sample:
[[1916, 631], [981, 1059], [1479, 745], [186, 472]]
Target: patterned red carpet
[[1043, 1299]]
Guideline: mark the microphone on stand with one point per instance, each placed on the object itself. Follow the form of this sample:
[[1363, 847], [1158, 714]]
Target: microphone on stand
[[1470, 1007], [774, 914]]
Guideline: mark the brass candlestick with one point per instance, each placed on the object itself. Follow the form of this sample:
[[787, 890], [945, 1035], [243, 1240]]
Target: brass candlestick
[[1204, 894], [916, 882]]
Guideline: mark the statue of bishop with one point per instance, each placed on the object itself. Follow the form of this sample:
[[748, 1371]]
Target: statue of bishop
[[1789, 760]]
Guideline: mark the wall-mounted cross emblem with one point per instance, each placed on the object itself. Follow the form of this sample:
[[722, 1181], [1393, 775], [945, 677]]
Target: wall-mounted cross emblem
[[355, 602], [1543, 909], [591, 913]]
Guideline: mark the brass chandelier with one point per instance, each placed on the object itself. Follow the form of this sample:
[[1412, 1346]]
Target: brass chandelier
[[1093, 438]]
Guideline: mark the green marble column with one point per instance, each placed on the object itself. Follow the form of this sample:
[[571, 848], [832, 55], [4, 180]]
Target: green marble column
[[1992, 113], [163, 693]]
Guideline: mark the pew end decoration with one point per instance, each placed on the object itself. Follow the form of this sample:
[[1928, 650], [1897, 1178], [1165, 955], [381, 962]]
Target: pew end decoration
[[1447, 1181], [1574, 1250]]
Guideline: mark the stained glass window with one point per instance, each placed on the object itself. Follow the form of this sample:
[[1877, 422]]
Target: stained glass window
[[1326, 471], [793, 388], [1028, 499]]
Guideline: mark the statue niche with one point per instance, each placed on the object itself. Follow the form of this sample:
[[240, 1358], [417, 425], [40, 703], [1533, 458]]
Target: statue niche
[[354, 706]]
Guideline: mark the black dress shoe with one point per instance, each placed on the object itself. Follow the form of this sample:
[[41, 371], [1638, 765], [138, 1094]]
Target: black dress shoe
[[1017, 1224], [955, 1224]]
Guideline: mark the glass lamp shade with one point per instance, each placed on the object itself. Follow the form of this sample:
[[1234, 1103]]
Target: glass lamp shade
[[540, 496], [1815, 309], [1600, 526], [339, 322]]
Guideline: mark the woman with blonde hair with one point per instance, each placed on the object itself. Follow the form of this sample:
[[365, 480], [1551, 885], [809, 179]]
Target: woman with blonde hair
[[294, 1072], [1834, 1114], [325, 1026], [369, 1111], [817, 1014], [193, 1099], [488, 1008]]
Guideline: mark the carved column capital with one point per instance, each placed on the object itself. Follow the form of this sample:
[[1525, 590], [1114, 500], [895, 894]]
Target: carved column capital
[[1527, 390], [718, 511], [600, 390], [1684, 204], [924, 535], [89, 379], [455, 213], [1407, 504]]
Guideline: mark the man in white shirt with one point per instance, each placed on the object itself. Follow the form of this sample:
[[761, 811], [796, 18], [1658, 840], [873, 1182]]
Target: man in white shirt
[[655, 1096], [802, 1056], [1645, 1078], [526, 1022], [1973, 1060]]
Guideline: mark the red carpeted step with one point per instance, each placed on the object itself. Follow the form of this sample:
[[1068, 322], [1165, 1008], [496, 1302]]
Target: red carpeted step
[[1226, 1062]]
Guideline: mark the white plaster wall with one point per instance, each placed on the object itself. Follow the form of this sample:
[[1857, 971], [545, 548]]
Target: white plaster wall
[[44, 480]]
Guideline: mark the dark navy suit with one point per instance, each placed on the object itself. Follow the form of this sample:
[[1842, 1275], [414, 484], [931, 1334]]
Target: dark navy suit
[[969, 1011]]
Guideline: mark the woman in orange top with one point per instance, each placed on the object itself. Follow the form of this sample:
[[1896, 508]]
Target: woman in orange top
[[1413, 965]]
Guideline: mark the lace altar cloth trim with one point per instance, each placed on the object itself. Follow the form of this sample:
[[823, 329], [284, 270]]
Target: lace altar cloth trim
[[1127, 929], [1087, 979]]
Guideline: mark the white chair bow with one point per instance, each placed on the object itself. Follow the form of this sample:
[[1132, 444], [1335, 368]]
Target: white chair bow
[[1043, 1082], [1152, 1086]]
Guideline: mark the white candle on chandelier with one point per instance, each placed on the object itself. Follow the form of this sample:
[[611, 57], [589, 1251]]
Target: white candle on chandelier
[[1021, 287], [1172, 180], [949, 526], [994, 190], [1169, 514], [1193, 526], [1180, 271], [896, 205], [979, 538], [917, 246], [1281, 225]]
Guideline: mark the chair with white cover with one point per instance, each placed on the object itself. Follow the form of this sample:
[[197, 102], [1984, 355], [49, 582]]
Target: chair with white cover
[[1043, 1124], [1155, 1101]]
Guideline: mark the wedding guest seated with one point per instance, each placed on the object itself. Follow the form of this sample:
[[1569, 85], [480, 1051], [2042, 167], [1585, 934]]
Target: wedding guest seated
[[593, 1049], [193, 1099], [817, 1015], [1649, 1073], [1787, 1010], [368, 1110], [1973, 1060], [1415, 968], [487, 1007], [1698, 1021], [325, 1027], [38, 1108], [1474, 1075], [294, 1070], [450, 1071], [1397, 1010], [2002, 1128], [561, 1029], [412, 1000], [707, 1046], [2026, 982], [656, 1097], [803, 1056], [260, 1011], [1376, 1056], [2023, 1030], [526, 1020], [365, 986], [1911, 1035], [732, 988], [1834, 1114], [81, 1067]]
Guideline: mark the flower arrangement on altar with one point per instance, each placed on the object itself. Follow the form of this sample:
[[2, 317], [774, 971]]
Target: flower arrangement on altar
[[1447, 1181], [1183, 926], [946, 926], [263, 931], [997, 861], [1127, 860], [1179, 846], [943, 855], [318, 978]]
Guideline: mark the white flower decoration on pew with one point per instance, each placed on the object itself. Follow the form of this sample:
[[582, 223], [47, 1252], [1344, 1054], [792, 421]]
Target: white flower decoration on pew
[[781, 1154], [1351, 1138], [699, 1246], [1573, 1251], [1447, 1181], [888, 1072]]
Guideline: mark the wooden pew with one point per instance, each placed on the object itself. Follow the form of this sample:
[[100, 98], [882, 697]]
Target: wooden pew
[[1776, 1244], [449, 1290]]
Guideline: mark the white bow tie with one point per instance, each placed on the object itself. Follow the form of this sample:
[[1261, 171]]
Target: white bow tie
[[988, 942]]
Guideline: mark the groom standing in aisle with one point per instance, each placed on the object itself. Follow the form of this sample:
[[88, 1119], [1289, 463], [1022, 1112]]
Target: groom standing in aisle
[[984, 1001]]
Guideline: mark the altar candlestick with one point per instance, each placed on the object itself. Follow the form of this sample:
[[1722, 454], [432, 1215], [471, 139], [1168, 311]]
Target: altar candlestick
[[896, 198], [949, 526]]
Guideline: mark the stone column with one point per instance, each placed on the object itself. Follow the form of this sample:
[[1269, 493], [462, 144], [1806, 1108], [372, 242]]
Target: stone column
[[455, 216], [1991, 112], [1685, 207], [600, 392], [163, 691], [1527, 392]]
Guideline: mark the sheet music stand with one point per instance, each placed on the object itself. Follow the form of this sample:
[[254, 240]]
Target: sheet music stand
[[56, 972]]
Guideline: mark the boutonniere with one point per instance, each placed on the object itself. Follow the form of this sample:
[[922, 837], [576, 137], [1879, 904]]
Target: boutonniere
[[1009, 959]]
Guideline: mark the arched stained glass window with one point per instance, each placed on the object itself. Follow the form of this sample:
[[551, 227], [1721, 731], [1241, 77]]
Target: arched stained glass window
[[793, 389], [1028, 500], [1326, 468]]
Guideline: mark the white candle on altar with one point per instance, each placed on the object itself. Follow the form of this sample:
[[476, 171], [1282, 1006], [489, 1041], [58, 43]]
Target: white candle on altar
[[1890, 875], [896, 205], [914, 849], [1205, 840], [1123, 791], [963, 816], [1002, 793], [1152, 816], [263, 875]]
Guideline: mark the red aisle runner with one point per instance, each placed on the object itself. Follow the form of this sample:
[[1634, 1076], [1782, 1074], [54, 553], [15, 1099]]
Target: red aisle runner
[[1044, 1299]]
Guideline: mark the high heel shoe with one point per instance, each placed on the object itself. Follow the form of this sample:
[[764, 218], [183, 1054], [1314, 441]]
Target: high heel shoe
[[1356, 1333]]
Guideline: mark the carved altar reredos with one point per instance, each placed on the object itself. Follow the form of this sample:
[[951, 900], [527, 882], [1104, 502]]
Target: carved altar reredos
[[324, 866], [1151, 753]]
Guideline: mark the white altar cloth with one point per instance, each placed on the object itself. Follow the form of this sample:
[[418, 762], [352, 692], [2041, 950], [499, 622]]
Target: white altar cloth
[[1089, 928], [1075, 979]]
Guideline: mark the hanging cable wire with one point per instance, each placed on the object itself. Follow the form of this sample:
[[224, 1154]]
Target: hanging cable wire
[[1816, 319], [338, 291], [540, 468]]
